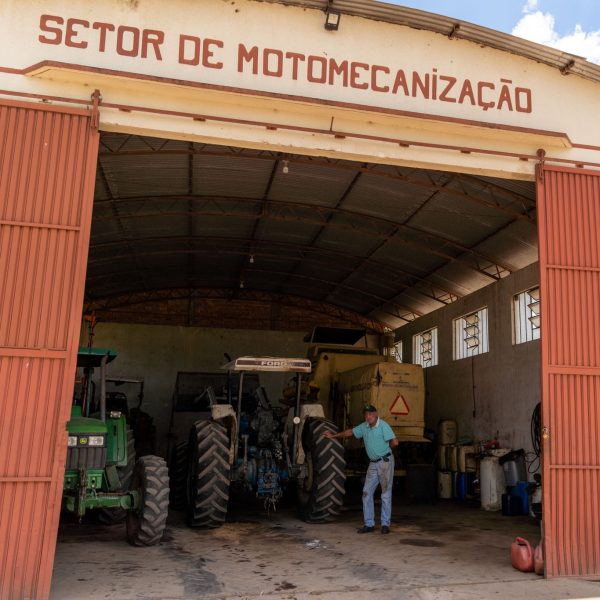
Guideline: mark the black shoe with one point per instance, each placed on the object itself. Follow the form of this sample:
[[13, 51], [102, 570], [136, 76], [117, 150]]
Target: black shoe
[[385, 529], [365, 529]]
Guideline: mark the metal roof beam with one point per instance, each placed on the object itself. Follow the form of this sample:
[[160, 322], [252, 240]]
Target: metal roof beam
[[132, 299], [370, 255], [264, 203], [322, 228], [525, 205], [341, 165], [481, 263], [289, 211], [116, 216], [305, 252], [270, 274], [496, 271]]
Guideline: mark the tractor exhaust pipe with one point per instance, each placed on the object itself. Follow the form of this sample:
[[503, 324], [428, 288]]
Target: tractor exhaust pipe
[[103, 388]]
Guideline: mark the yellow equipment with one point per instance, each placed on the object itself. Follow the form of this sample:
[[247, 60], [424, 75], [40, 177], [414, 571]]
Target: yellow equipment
[[345, 377]]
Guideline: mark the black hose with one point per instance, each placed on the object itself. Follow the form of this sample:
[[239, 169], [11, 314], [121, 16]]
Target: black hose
[[536, 436]]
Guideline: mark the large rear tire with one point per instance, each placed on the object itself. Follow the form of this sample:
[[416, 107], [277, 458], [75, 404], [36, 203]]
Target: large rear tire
[[146, 525], [178, 467], [111, 516], [208, 475], [321, 494]]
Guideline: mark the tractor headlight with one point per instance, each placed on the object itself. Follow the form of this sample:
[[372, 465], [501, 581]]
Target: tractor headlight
[[96, 440], [72, 441]]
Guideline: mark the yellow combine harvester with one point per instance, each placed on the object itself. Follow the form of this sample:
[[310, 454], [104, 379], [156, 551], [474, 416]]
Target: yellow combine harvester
[[346, 376]]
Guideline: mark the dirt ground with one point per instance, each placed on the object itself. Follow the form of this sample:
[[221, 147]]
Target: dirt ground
[[434, 552]]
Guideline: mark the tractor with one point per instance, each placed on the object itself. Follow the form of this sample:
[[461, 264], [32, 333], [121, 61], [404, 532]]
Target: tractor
[[194, 394], [101, 472], [249, 446]]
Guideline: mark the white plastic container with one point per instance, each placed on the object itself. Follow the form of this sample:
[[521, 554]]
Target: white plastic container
[[442, 458], [447, 432], [445, 485], [492, 483], [466, 459]]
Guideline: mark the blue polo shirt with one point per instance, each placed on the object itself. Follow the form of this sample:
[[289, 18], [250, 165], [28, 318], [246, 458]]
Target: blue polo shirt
[[376, 438]]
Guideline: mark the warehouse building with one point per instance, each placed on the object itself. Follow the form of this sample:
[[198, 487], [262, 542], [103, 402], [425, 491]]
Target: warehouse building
[[213, 178]]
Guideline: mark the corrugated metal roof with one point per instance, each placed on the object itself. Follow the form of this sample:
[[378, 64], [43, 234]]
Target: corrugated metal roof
[[385, 242], [418, 19]]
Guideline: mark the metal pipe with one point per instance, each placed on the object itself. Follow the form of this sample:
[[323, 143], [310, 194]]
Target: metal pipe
[[103, 388], [86, 391], [297, 411]]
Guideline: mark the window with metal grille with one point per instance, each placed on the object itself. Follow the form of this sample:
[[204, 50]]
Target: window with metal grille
[[425, 351], [526, 316], [471, 334]]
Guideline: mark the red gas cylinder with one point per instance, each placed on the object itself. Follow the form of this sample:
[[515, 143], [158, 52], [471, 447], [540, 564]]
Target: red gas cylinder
[[538, 559], [521, 555]]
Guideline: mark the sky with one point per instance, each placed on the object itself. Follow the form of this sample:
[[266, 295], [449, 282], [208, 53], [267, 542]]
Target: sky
[[569, 25]]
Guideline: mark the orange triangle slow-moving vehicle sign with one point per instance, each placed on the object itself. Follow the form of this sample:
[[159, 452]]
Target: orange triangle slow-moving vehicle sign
[[399, 406]]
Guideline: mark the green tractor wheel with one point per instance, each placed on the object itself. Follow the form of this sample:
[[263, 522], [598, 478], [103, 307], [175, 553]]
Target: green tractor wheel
[[146, 524], [111, 516], [321, 493], [208, 475]]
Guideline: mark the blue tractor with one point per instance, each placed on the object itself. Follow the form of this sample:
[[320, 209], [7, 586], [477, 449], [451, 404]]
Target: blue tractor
[[249, 446]]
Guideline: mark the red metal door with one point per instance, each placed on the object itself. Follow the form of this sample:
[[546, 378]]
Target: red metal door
[[47, 171], [569, 226]]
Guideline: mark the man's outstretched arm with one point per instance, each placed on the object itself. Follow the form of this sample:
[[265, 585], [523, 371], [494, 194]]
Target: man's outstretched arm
[[340, 434]]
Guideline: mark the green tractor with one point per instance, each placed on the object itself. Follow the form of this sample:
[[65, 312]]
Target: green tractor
[[101, 472]]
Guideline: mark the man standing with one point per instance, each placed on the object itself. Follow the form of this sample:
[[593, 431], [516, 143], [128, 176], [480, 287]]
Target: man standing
[[379, 439]]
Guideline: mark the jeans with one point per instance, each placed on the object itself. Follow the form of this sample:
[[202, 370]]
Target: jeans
[[379, 473]]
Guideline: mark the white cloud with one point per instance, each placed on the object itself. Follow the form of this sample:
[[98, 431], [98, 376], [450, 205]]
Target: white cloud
[[530, 6], [537, 27], [540, 27]]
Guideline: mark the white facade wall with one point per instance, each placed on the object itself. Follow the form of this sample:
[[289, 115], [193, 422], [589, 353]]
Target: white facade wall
[[142, 57]]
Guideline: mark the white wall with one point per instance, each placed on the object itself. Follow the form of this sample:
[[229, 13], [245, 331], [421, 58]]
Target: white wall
[[493, 392], [236, 101], [156, 352]]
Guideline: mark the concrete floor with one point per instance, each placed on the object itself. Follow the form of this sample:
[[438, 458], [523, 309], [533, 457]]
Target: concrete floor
[[433, 553]]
